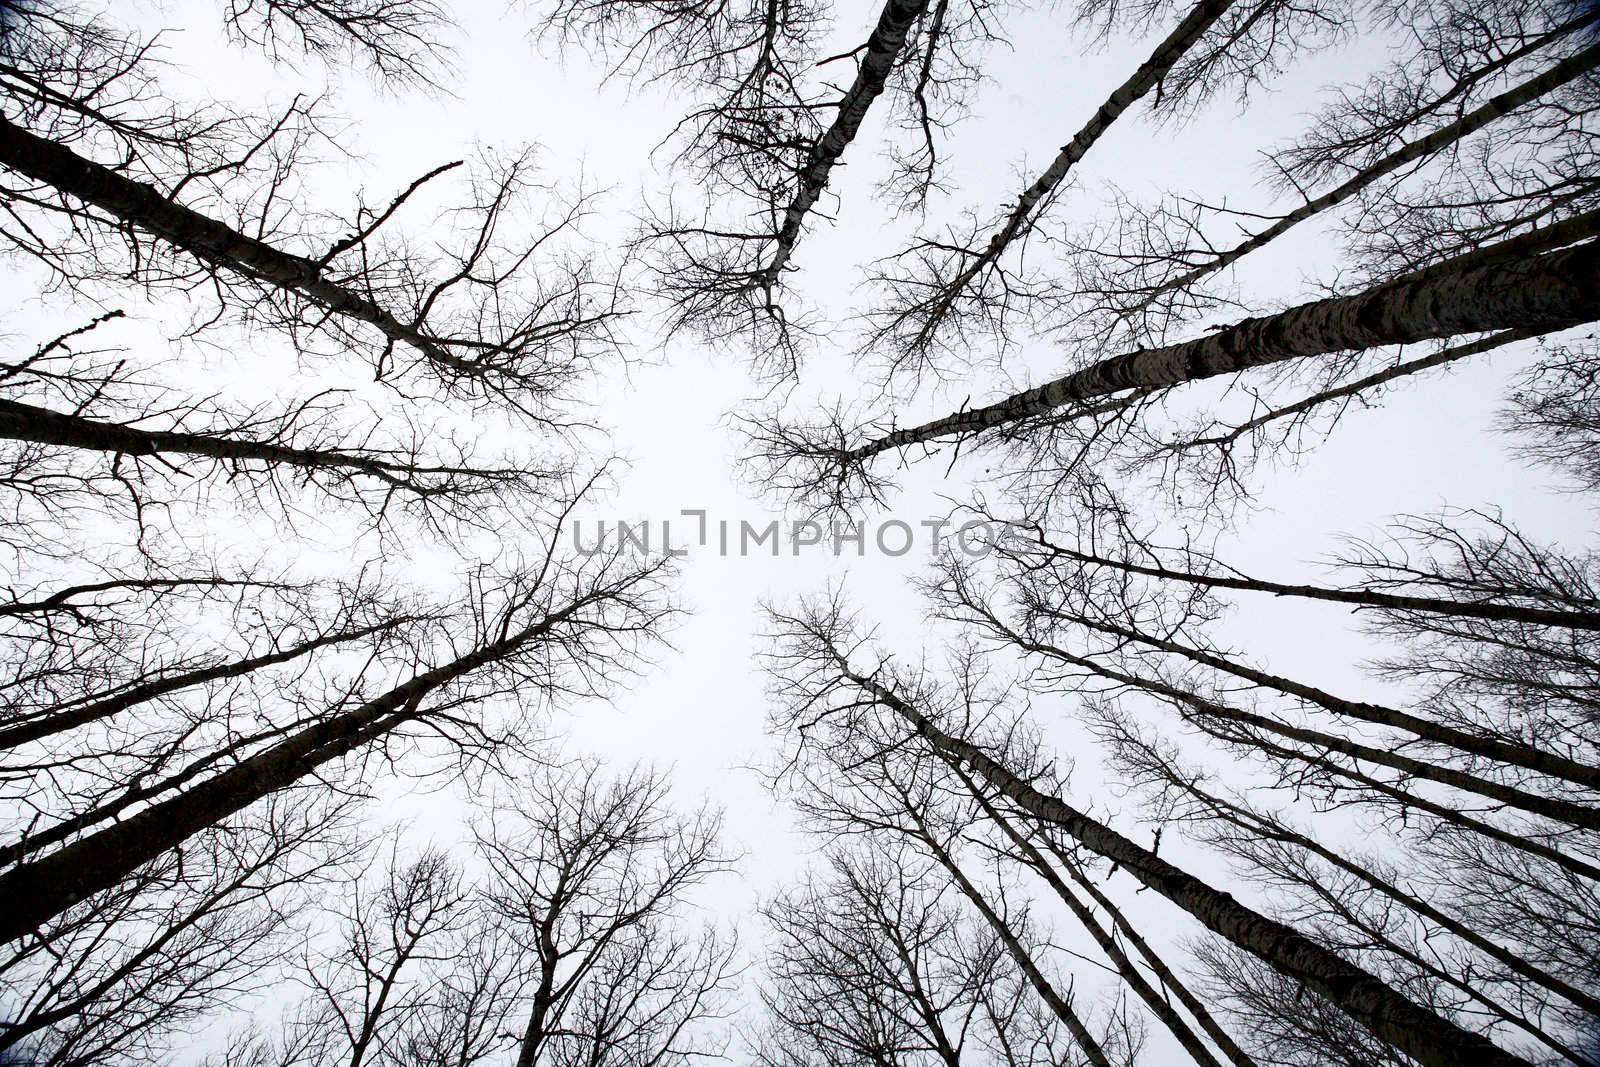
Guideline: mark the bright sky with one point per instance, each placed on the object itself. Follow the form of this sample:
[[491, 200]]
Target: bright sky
[[700, 708]]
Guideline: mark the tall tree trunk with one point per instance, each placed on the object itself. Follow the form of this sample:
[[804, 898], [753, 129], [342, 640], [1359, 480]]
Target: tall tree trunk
[[1569, 69], [1169, 979], [1260, 826], [1059, 1005], [882, 51], [1163, 1011], [142, 206], [1539, 294], [25, 422], [1414, 1030], [35, 891], [1484, 609], [1020, 218], [1507, 752]]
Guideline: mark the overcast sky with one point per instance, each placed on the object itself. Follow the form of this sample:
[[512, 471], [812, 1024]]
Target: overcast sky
[[700, 707]]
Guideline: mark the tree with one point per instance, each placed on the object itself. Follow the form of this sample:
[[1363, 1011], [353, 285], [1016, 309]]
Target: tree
[[814, 652], [567, 946], [821, 466], [587, 877], [117, 976], [557, 627]]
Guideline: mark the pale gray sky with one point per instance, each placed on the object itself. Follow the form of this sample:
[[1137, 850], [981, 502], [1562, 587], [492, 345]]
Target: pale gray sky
[[700, 707]]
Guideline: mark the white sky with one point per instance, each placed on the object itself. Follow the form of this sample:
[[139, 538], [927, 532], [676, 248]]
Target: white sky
[[700, 709]]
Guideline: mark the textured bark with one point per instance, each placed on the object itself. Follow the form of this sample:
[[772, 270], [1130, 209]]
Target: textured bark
[[1539, 294], [83, 714], [882, 51], [1163, 1011], [1577, 620], [33, 892], [1567, 70], [1431, 1040], [140, 205]]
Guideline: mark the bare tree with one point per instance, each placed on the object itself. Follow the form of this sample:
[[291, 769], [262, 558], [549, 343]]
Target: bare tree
[[817, 645], [588, 877], [485, 320], [822, 466], [115, 977], [877, 962], [554, 628]]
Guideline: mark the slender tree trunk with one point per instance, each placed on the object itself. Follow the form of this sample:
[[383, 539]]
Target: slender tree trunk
[[1270, 829], [1550, 807], [1060, 1005], [533, 1034], [1169, 979], [882, 51], [61, 599], [35, 891], [25, 422], [1158, 1005], [1018, 220], [1431, 1040], [1538, 294], [1445, 813], [1576, 620], [54, 722], [140, 205]]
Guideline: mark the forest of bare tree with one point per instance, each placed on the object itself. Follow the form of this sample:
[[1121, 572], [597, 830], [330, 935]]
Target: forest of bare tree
[[336, 732]]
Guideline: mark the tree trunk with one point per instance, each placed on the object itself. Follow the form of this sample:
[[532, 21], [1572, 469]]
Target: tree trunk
[[1419, 1033], [1169, 980], [1512, 754], [1146, 77], [1175, 1024], [1538, 294], [883, 50], [1573, 67], [33, 892], [1576, 620], [1263, 827], [1059, 1005], [140, 205], [25, 422]]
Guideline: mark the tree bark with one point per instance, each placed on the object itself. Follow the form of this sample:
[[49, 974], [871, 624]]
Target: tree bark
[[25, 422], [1574, 66], [1419, 1033], [1539, 294], [1146, 77], [1175, 1024], [882, 51], [1516, 755], [57, 721]]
